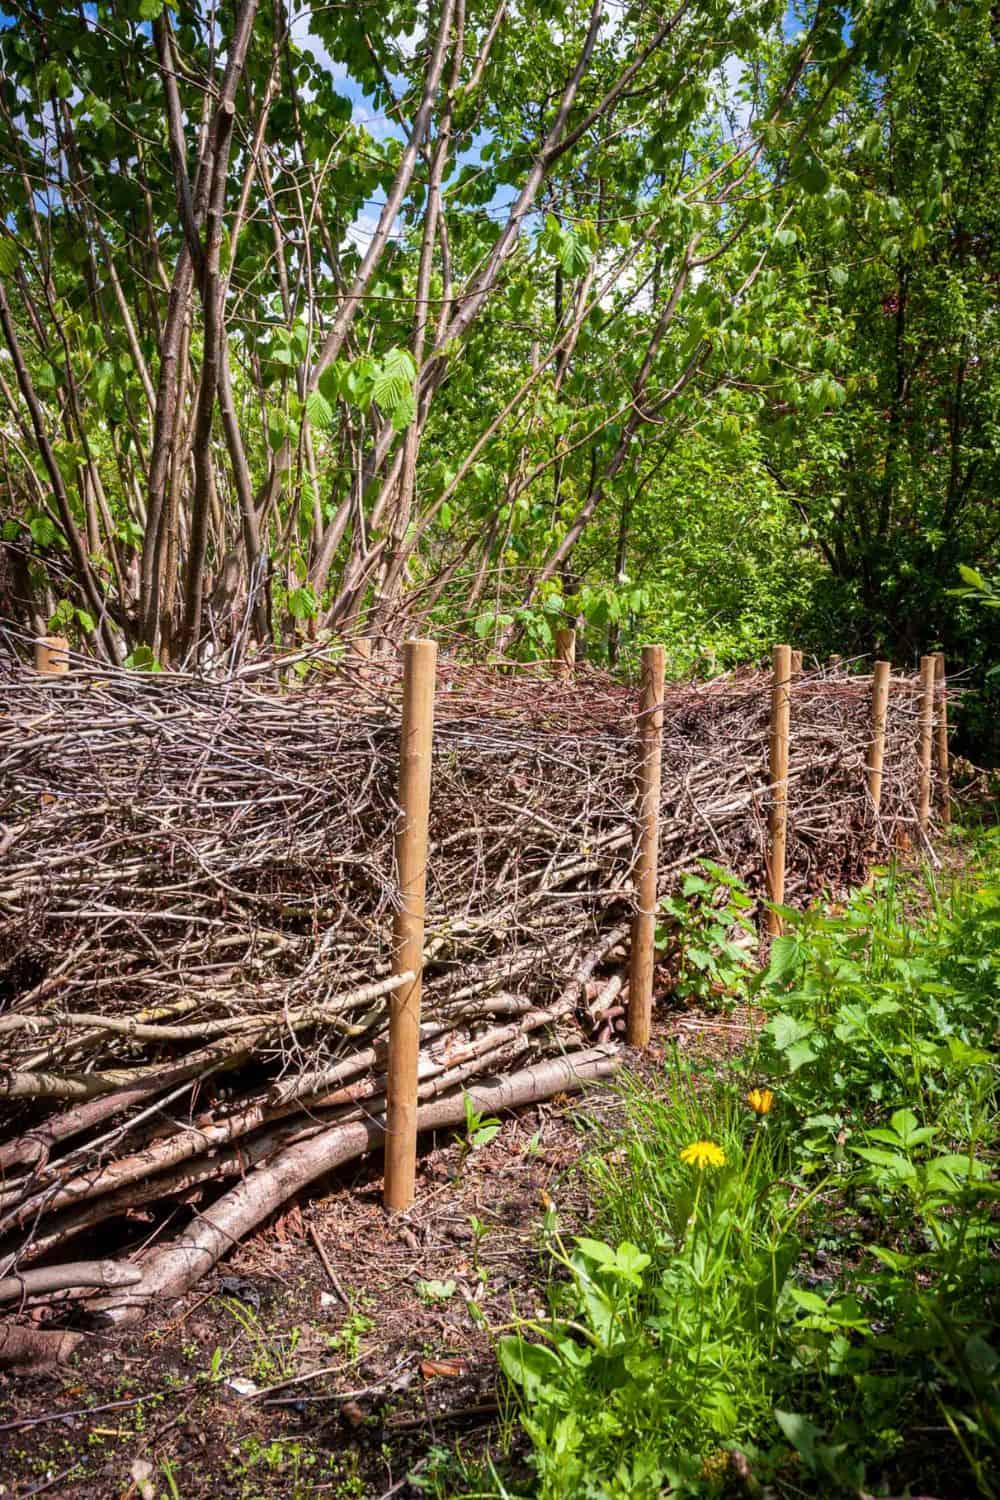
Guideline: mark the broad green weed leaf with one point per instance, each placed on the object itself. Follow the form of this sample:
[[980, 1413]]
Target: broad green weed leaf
[[596, 1250], [896, 1165], [784, 959], [534, 1367], [801, 1433]]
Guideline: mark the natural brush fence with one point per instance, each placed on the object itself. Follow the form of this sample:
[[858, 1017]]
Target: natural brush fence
[[212, 921]]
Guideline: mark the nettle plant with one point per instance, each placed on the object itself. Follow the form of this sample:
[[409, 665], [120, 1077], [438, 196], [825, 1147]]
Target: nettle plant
[[708, 928]]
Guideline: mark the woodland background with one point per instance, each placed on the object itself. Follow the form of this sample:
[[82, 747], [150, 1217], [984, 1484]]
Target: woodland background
[[672, 321]]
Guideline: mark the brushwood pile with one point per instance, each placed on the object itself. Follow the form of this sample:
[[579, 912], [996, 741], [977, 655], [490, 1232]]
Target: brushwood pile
[[198, 883]]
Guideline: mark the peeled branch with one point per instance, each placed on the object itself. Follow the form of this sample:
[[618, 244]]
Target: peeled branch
[[35, 1283]]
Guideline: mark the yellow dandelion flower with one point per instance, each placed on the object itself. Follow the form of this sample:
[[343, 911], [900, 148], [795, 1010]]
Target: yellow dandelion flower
[[702, 1154], [761, 1101]]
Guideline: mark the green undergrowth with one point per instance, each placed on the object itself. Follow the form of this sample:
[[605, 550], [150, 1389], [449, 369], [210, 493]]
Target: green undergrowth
[[789, 1286]]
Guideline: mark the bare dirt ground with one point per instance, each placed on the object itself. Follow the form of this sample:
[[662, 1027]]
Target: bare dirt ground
[[337, 1351]]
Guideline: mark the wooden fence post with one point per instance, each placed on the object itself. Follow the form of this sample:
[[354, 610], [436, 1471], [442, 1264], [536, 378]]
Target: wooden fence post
[[416, 742], [781, 704], [50, 655], [638, 1023], [944, 776], [565, 653], [925, 739], [876, 746], [796, 665]]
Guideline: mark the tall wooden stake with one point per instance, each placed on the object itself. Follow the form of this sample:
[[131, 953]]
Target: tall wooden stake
[[416, 741], [926, 739], [50, 654], [781, 708], [640, 985], [876, 746], [944, 774], [565, 653], [796, 666]]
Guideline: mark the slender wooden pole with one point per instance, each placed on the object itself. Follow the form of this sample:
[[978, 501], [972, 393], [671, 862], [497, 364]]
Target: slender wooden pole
[[876, 746], [926, 739], [416, 741], [781, 708], [565, 653], [796, 665], [50, 654], [640, 985], [944, 774]]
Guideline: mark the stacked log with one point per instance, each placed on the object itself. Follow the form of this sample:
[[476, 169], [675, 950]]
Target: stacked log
[[196, 905]]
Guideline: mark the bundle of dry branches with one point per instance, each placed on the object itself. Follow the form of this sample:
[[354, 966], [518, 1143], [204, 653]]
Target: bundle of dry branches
[[196, 899]]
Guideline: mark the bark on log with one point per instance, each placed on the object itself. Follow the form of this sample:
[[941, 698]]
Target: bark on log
[[172, 1270], [27, 1348], [76, 1273], [33, 1148]]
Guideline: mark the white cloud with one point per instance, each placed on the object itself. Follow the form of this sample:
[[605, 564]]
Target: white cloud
[[406, 42], [359, 234], [379, 126]]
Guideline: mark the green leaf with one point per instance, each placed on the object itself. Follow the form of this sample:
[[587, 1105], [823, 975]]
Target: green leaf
[[815, 177], [436, 1291], [319, 412], [944, 1171], [392, 386], [96, 111], [810, 1301], [43, 532], [786, 1030], [142, 660], [893, 1162], [799, 1054], [302, 603], [277, 426], [631, 1261], [597, 1251], [9, 256], [534, 1367], [331, 381], [785, 955], [906, 1125], [982, 1357], [404, 411], [896, 1260], [801, 1433]]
